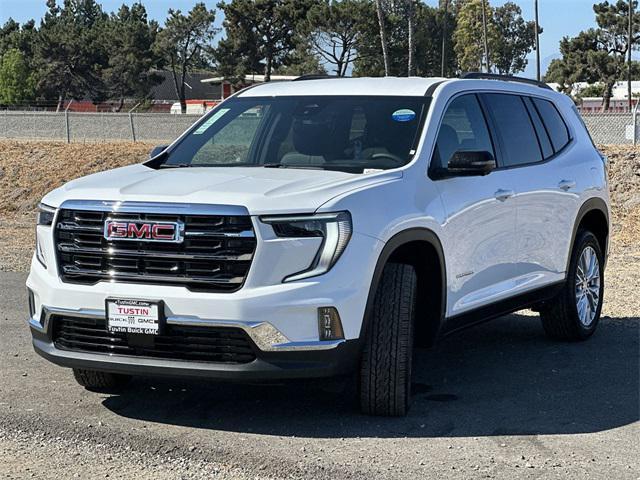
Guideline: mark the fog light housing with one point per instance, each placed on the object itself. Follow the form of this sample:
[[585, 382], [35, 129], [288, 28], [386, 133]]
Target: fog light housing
[[329, 324]]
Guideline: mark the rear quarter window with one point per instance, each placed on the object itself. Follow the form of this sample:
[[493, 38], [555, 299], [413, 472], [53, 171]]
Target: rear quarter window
[[556, 128]]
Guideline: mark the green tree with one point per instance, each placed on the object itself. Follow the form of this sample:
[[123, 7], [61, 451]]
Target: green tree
[[382, 28], [69, 52], [514, 39], [430, 28], [575, 64], [185, 42], [468, 35], [129, 38], [598, 54], [333, 29], [427, 35], [260, 35], [594, 90], [17, 83], [20, 37], [302, 61], [509, 37]]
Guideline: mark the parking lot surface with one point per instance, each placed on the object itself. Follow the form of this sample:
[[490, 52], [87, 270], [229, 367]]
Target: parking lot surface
[[496, 401]]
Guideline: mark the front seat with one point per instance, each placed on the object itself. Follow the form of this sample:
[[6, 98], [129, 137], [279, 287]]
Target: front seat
[[447, 144], [311, 140]]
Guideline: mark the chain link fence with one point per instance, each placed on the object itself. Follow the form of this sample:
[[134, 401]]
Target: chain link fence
[[612, 128], [605, 128], [93, 127]]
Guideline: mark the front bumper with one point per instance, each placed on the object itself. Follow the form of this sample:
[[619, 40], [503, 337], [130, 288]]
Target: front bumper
[[288, 360], [280, 318]]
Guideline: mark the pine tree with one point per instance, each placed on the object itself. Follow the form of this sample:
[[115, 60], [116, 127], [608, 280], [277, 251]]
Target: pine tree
[[129, 38]]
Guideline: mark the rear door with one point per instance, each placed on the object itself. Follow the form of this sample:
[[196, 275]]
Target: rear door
[[532, 150], [547, 212], [479, 231]]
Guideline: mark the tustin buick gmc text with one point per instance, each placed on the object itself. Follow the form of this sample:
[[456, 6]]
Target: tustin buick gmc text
[[323, 227]]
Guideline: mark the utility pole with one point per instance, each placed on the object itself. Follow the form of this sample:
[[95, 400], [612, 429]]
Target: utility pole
[[444, 38], [486, 42], [535, 5], [629, 45]]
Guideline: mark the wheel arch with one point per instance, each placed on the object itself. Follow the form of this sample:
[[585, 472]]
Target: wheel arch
[[421, 248], [593, 215]]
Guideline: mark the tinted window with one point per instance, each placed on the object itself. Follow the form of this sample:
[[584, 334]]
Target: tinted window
[[541, 132], [463, 128], [519, 141], [553, 121], [347, 133]]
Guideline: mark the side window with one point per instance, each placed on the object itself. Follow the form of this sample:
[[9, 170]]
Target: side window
[[556, 127], [463, 128], [519, 141], [541, 131]]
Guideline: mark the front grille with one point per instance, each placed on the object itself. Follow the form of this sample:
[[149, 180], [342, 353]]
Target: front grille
[[202, 344], [215, 255]]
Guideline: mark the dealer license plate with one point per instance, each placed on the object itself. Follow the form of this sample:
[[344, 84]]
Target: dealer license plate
[[133, 316]]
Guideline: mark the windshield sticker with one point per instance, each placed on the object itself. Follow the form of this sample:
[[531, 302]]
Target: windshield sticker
[[403, 115], [214, 118]]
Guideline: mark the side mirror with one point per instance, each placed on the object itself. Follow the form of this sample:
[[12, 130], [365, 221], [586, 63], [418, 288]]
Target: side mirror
[[157, 150], [465, 163]]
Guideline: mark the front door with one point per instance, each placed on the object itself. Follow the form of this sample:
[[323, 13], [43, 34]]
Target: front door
[[479, 231]]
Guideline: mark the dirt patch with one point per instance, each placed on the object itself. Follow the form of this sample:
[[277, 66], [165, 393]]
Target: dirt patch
[[28, 170], [624, 184]]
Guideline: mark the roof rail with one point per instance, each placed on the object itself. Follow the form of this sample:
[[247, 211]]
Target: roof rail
[[313, 76], [506, 78]]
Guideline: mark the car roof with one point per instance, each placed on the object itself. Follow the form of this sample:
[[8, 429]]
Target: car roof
[[389, 86], [374, 86]]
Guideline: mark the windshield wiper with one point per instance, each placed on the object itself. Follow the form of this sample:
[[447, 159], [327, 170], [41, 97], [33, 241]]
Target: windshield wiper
[[175, 165], [282, 165]]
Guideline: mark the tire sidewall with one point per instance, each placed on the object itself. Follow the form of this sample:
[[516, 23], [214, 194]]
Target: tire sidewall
[[584, 239]]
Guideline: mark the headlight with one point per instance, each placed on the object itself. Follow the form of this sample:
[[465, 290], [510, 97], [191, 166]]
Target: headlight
[[44, 218], [45, 214], [334, 229]]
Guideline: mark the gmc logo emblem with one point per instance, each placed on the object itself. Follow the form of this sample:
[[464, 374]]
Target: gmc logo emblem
[[171, 232]]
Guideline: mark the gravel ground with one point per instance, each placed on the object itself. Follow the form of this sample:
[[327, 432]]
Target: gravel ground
[[497, 401], [41, 455]]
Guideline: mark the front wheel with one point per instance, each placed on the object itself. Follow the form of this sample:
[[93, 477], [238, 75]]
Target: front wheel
[[575, 312], [385, 371], [100, 381]]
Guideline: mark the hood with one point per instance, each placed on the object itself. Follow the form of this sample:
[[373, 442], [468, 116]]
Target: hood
[[260, 190]]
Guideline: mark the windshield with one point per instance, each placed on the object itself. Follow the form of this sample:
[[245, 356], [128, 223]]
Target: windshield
[[351, 134]]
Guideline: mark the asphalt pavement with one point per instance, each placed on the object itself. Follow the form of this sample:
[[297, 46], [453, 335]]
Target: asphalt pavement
[[496, 401]]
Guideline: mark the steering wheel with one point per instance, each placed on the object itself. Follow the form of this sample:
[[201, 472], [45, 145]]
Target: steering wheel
[[390, 156]]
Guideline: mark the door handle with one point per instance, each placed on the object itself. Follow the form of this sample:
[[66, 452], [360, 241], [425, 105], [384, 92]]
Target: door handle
[[566, 185], [503, 194]]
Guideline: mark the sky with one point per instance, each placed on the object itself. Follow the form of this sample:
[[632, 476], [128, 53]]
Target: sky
[[558, 18]]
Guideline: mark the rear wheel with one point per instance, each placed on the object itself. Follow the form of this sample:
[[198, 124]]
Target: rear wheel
[[575, 312], [100, 381], [385, 371]]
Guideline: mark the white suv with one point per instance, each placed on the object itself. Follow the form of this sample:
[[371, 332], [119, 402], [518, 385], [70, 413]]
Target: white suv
[[326, 226]]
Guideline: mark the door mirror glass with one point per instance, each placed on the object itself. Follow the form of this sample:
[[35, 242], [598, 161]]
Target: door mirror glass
[[466, 163], [157, 150]]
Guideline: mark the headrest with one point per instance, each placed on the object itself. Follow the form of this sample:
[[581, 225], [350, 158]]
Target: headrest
[[448, 143]]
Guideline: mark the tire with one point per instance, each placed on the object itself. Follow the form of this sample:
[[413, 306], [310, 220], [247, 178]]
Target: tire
[[561, 317], [385, 370], [100, 381]]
